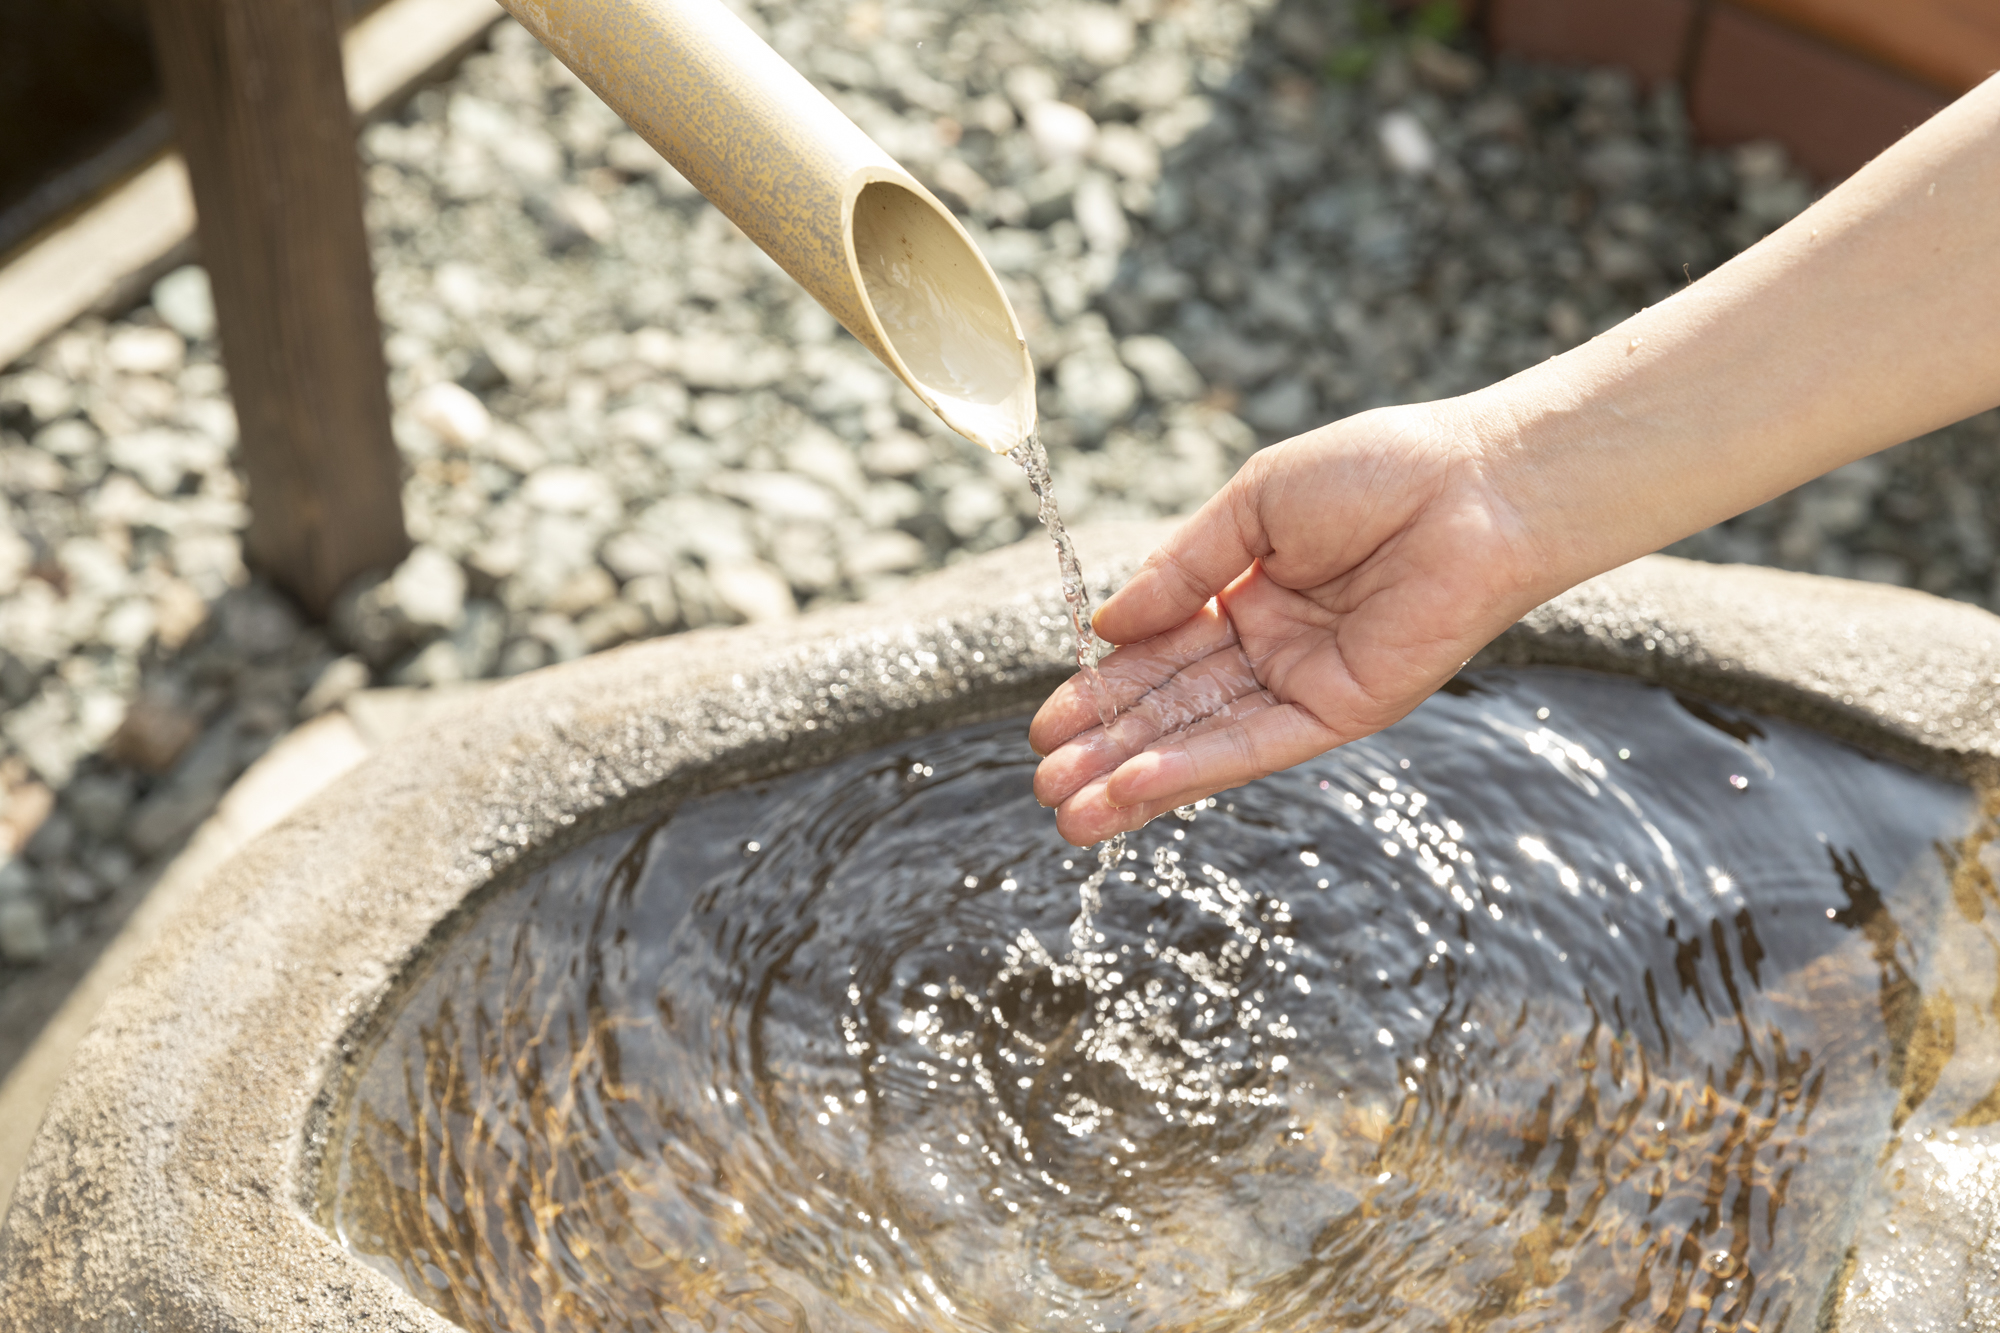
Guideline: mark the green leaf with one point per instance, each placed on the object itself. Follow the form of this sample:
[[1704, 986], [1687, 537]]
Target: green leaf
[[1350, 63], [1439, 20]]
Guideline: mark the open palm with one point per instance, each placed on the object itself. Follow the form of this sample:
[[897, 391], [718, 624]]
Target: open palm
[[1339, 579]]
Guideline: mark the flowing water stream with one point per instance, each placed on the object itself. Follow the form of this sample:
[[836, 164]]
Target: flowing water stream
[[1565, 1003], [1033, 459]]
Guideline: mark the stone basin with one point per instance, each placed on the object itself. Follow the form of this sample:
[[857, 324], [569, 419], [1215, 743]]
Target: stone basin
[[177, 1178]]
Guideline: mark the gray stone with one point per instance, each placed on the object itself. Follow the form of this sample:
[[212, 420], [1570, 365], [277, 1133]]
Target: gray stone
[[478, 637], [1100, 34], [128, 626], [339, 680], [523, 655], [256, 621], [706, 526], [730, 365], [753, 590], [1286, 407], [47, 398], [1128, 152], [155, 733], [559, 634], [170, 813], [632, 554], [138, 350], [1281, 301], [1168, 375], [628, 153], [70, 885], [784, 497], [1618, 261], [453, 414], [429, 589], [695, 596], [1406, 143], [53, 841], [17, 878], [897, 454], [804, 553], [1620, 165], [184, 301], [884, 552], [93, 569], [16, 556], [98, 803], [970, 505], [1451, 72], [654, 595], [1099, 214], [437, 663], [1095, 386], [1061, 132], [588, 587], [44, 733], [24, 931], [160, 458], [829, 461], [611, 624], [111, 866], [563, 489], [31, 624], [575, 216]]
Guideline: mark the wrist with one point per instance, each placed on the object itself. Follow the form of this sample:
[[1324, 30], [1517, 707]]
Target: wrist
[[1524, 447], [1602, 458]]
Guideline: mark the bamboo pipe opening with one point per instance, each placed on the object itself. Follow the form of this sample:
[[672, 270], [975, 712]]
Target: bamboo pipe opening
[[941, 313]]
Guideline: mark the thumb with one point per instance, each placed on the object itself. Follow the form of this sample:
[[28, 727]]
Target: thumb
[[1204, 556]]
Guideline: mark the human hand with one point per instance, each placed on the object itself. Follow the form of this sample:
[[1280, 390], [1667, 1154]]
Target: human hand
[[1353, 569], [1331, 586]]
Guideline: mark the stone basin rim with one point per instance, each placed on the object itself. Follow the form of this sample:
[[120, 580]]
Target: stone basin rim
[[189, 1132]]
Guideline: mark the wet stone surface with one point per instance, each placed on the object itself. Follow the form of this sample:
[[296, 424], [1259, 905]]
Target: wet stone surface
[[1566, 1000], [1220, 223]]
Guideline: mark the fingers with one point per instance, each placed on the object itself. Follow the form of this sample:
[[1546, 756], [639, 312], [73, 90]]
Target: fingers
[[1088, 818], [1091, 813], [1129, 675], [1201, 559], [1249, 738], [1206, 689], [1258, 736]]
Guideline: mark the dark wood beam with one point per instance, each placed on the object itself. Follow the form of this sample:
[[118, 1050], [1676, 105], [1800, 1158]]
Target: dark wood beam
[[260, 110]]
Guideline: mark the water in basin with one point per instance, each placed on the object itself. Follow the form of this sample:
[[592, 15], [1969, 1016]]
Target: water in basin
[[1565, 1003]]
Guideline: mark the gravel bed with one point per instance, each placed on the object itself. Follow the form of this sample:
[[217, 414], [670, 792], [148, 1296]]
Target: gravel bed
[[1221, 223]]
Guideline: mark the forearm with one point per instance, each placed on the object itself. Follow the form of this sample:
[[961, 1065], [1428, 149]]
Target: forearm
[[1872, 317]]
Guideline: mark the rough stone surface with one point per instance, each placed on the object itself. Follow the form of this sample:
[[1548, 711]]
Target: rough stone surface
[[1220, 222], [174, 1181]]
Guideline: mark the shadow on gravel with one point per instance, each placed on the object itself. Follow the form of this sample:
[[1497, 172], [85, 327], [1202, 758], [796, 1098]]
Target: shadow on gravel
[[108, 781]]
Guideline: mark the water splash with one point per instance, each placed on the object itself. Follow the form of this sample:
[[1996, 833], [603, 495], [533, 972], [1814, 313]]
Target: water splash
[[834, 1052], [1033, 459]]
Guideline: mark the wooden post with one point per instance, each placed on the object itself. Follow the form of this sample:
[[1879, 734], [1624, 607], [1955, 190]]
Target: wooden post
[[259, 104]]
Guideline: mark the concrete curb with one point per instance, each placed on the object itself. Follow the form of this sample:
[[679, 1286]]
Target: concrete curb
[[174, 1181]]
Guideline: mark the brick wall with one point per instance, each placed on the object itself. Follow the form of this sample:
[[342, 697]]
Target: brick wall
[[1835, 81]]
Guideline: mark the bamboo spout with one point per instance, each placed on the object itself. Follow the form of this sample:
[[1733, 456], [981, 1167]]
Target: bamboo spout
[[857, 231]]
